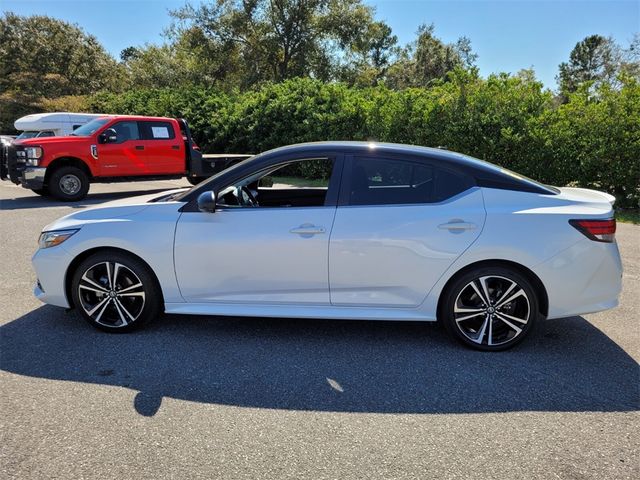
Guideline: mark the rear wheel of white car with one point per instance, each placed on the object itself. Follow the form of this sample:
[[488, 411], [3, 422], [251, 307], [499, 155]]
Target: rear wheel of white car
[[69, 184], [490, 308], [115, 292]]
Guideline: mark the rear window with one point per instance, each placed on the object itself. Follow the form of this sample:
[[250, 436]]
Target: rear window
[[157, 131]]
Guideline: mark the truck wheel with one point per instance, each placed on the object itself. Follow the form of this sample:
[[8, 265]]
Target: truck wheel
[[69, 184]]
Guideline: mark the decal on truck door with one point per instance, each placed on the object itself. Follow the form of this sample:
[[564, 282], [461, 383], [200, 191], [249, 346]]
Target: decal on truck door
[[94, 151]]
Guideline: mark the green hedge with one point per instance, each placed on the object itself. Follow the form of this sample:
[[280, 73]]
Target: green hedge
[[591, 141]]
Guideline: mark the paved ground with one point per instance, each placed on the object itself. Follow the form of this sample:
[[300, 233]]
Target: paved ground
[[255, 398]]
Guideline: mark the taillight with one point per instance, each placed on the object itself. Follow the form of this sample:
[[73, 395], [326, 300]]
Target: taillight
[[597, 230]]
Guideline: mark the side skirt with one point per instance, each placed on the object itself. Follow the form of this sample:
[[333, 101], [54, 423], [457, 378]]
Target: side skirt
[[298, 311]]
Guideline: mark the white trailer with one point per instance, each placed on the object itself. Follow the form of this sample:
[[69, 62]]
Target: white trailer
[[56, 124]]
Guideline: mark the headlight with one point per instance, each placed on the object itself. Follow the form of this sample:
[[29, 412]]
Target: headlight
[[56, 237], [33, 152], [33, 155]]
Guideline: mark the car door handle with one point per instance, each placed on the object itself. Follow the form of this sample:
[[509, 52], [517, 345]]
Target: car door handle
[[175, 147], [457, 225], [139, 147], [307, 229]]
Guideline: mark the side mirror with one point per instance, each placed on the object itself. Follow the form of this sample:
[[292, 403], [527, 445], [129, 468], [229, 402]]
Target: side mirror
[[207, 202], [108, 136]]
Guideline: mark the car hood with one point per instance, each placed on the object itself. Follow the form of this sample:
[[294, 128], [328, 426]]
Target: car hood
[[43, 141], [114, 211]]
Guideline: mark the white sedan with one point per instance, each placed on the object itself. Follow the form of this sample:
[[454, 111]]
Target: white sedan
[[343, 230]]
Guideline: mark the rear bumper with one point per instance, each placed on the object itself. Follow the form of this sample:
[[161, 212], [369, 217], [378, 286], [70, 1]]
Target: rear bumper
[[584, 278]]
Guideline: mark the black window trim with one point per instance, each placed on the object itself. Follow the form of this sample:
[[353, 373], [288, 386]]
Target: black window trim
[[421, 160]]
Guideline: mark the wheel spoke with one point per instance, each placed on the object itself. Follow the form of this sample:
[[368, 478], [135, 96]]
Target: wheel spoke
[[103, 302], [504, 295], [129, 288], [457, 309], [115, 274], [467, 317], [123, 320], [131, 294], [119, 303], [519, 293], [109, 276], [480, 295], [485, 289], [480, 336], [515, 319], [86, 287], [96, 285], [490, 334], [516, 329]]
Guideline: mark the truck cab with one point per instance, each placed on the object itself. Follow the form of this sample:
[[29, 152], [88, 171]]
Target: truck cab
[[109, 148]]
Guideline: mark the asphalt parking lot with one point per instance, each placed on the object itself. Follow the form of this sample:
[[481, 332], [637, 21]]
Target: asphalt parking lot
[[231, 398]]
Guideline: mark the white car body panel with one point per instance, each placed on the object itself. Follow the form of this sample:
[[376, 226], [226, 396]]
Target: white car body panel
[[364, 262], [251, 255], [392, 255]]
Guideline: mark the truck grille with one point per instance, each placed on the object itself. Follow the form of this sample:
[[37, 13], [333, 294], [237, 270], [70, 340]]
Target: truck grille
[[10, 167]]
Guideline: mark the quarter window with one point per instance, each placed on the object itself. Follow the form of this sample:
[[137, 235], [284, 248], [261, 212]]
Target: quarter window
[[380, 181]]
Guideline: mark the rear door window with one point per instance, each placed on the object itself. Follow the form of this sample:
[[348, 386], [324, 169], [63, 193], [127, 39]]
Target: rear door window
[[389, 181], [157, 130]]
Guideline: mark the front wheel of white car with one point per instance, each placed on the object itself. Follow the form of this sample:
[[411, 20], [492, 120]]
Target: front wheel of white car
[[490, 308], [115, 292]]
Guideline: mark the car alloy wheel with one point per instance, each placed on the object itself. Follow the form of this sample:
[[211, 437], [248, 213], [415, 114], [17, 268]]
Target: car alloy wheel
[[492, 310], [111, 294]]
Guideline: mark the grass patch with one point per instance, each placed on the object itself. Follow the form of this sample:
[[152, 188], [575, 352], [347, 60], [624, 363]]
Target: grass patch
[[631, 215]]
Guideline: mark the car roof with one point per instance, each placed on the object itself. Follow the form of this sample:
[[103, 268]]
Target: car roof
[[471, 165], [138, 117]]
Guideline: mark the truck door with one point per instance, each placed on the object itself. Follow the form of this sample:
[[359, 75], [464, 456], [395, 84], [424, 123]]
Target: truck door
[[164, 150], [124, 156]]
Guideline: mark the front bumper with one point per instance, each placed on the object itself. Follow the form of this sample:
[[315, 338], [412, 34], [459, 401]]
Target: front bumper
[[50, 265], [14, 168], [33, 177]]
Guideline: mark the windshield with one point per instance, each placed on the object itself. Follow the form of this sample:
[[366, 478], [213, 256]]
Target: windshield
[[27, 134], [89, 128]]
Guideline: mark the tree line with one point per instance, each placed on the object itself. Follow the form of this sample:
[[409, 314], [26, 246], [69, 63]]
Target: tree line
[[254, 74]]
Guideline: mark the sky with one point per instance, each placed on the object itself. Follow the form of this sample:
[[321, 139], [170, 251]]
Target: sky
[[507, 35]]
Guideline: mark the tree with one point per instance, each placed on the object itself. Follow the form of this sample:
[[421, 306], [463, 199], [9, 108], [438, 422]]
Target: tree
[[429, 59], [42, 59], [595, 59], [252, 41], [43, 56]]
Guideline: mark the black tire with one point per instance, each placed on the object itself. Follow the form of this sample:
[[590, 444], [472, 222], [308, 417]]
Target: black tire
[[68, 184], [96, 297], [41, 191], [196, 180], [495, 326]]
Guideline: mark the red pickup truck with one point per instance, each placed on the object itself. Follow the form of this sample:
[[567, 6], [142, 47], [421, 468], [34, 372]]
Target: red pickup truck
[[107, 149]]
